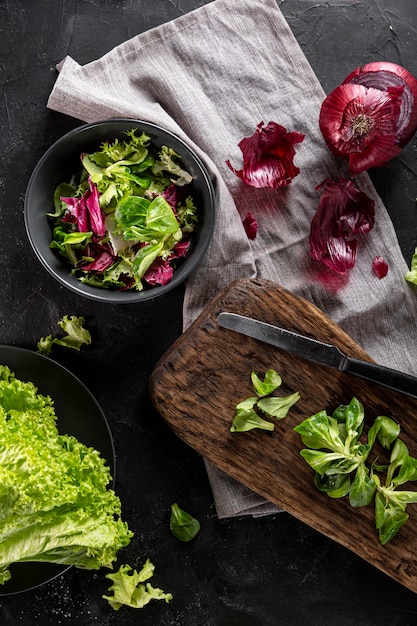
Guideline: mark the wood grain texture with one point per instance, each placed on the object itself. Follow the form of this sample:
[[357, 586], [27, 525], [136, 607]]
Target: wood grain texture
[[206, 373]]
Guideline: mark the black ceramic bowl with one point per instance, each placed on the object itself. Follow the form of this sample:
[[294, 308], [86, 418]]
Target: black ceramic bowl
[[62, 160]]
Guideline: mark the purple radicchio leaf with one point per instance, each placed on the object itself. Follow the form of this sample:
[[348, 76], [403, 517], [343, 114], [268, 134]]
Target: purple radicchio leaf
[[77, 213], [174, 194], [102, 254], [86, 212], [160, 272], [95, 212]]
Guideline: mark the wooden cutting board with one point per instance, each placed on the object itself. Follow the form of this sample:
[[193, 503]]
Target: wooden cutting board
[[206, 373]]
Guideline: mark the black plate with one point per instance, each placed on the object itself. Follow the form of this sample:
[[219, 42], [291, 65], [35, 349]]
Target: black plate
[[78, 414]]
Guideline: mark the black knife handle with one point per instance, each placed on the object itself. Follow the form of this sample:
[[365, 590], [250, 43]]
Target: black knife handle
[[393, 379]]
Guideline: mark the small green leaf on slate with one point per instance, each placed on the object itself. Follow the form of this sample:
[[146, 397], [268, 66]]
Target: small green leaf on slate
[[182, 525]]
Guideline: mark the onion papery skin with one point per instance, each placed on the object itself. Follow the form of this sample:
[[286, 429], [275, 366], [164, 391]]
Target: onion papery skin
[[268, 156], [344, 211], [383, 75], [250, 225]]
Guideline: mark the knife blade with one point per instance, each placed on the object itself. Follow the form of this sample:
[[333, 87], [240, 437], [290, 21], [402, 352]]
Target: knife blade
[[319, 352]]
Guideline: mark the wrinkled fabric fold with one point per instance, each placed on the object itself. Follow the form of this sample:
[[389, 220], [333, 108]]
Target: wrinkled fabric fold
[[210, 77]]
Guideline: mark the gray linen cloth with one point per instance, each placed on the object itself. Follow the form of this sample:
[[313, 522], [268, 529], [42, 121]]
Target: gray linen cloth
[[211, 76]]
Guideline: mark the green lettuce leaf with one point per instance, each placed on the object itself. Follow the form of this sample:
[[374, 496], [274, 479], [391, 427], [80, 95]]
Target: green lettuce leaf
[[272, 380], [183, 525], [76, 335], [246, 419], [141, 220], [167, 163], [411, 275], [55, 504], [129, 589], [278, 407]]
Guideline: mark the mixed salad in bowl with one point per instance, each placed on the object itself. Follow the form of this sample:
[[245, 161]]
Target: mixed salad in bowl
[[127, 218]]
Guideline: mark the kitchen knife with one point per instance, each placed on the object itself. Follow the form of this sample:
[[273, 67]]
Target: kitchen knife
[[323, 353]]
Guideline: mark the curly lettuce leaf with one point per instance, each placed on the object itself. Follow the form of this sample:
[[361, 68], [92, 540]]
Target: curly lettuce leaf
[[129, 589], [411, 275], [76, 335], [168, 163], [55, 504]]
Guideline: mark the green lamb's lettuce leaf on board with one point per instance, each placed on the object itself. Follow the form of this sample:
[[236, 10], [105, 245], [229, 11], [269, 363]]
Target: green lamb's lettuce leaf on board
[[351, 416], [335, 485], [335, 453], [362, 489], [248, 419], [320, 431], [402, 467], [388, 518], [247, 416], [329, 462], [385, 430], [272, 380], [278, 407], [391, 503]]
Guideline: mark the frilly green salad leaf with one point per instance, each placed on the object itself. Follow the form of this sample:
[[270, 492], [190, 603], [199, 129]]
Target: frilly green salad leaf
[[411, 275], [129, 589], [76, 335], [249, 413], [55, 504], [128, 218], [339, 458]]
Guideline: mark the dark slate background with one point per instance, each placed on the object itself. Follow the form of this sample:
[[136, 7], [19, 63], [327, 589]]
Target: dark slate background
[[240, 572]]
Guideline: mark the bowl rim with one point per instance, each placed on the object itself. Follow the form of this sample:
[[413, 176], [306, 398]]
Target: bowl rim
[[124, 297]]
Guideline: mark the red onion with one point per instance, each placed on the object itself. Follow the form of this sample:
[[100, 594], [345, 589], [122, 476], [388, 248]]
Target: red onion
[[384, 76], [371, 116]]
